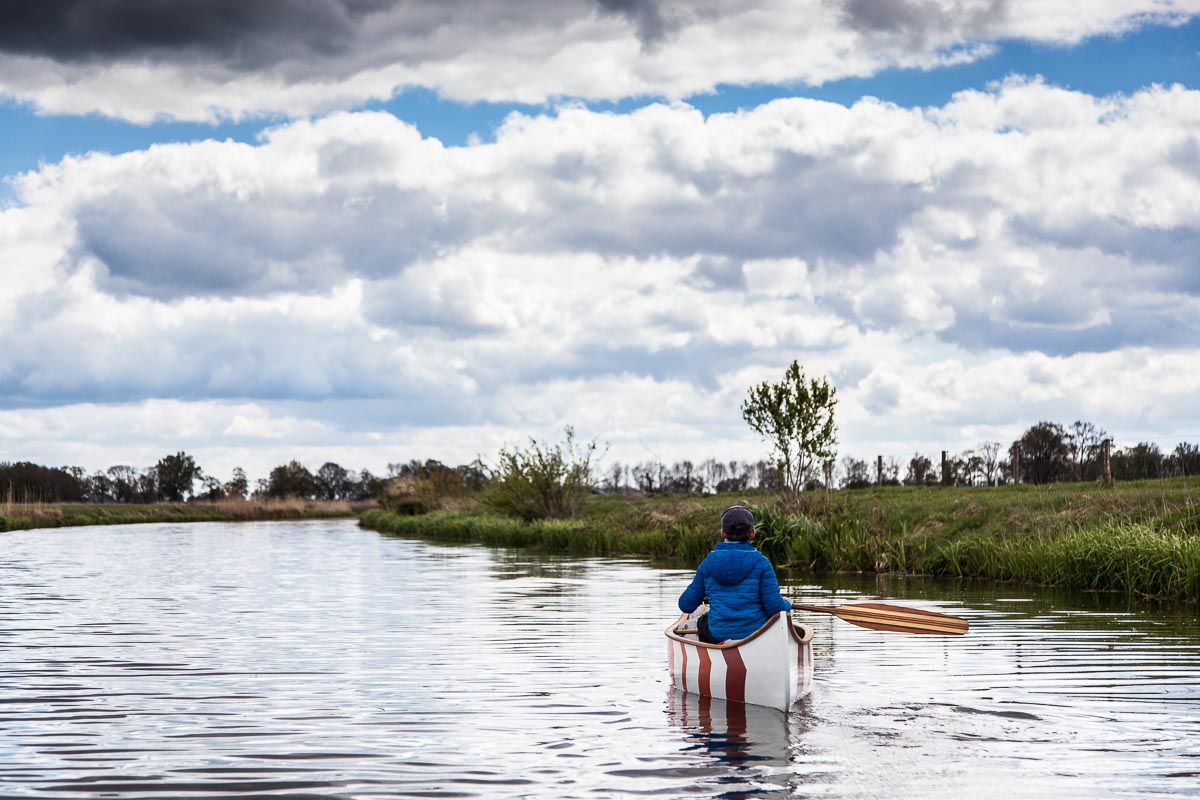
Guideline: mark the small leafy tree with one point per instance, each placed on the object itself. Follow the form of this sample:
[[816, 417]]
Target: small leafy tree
[[333, 481], [369, 486], [1045, 454], [291, 480], [542, 481], [176, 475], [124, 482], [796, 417], [213, 489], [238, 486]]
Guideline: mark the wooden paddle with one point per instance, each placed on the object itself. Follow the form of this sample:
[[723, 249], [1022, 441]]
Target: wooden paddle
[[881, 617]]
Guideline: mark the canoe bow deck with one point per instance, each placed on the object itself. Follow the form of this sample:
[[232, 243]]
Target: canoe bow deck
[[770, 667]]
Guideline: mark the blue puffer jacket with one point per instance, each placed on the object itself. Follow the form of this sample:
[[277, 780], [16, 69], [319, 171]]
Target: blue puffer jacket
[[741, 588]]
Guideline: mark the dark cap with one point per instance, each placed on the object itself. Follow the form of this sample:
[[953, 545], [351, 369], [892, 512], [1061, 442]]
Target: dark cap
[[737, 521]]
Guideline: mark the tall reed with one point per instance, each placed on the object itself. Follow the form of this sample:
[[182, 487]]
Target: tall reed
[[1112, 555], [1135, 538], [576, 537]]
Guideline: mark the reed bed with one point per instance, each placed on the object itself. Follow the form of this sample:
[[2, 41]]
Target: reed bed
[[1132, 557], [25, 516], [572, 537], [1139, 538]]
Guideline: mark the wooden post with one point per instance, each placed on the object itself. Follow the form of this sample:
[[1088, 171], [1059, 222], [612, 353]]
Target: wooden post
[[879, 470], [945, 470], [1106, 460], [828, 486], [1016, 462]]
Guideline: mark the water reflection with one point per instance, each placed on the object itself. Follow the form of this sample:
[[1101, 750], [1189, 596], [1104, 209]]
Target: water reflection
[[749, 751], [735, 735]]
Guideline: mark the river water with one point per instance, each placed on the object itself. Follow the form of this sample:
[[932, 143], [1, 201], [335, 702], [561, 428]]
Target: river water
[[316, 659]]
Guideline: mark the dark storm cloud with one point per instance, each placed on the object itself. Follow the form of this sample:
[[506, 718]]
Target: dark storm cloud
[[915, 24], [243, 34], [255, 34], [647, 15]]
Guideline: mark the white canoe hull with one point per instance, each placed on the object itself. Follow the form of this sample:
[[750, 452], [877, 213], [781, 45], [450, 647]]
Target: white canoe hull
[[770, 667]]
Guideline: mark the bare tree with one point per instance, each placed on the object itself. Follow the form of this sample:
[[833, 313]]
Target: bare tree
[[891, 471], [646, 476], [614, 476], [972, 468], [920, 471], [713, 472], [1185, 460], [989, 453], [1141, 461], [1083, 439], [856, 474]]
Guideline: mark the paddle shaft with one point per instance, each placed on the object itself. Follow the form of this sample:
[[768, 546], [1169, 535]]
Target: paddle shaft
[[883, 617]]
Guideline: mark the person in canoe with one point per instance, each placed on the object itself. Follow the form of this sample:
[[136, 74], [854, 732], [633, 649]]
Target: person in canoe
[[737, 581]]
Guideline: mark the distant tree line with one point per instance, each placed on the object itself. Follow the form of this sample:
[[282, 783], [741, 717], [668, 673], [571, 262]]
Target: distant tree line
[[688, 477], [1051, 453], [178, 478], [330, 482], [1046, 453]]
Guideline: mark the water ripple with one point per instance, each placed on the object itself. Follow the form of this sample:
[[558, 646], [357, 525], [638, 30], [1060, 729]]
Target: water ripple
[[315, 660]]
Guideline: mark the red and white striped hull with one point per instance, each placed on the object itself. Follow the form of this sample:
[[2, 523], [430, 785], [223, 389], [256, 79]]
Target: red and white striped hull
[[770, 667]]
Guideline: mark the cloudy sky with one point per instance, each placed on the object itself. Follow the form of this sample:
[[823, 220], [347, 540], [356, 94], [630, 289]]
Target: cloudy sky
[[374, 230]]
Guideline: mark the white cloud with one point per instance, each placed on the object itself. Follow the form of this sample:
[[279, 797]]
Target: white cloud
[[347, 283], [927, 406]]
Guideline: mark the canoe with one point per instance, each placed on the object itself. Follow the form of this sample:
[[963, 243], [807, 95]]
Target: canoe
[[770, 667]]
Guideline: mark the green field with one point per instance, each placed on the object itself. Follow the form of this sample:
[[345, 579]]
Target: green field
[[1137, 537], [25, 516]]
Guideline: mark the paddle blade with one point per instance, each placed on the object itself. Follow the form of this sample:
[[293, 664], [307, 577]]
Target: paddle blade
[[883, 617]]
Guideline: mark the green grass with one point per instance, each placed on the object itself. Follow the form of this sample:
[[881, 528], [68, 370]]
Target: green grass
[[592, 534], [25, 516], [1138, 537]]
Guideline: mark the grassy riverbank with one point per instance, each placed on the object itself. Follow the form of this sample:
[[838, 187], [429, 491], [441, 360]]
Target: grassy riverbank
[[25, 516], [1139, 537]]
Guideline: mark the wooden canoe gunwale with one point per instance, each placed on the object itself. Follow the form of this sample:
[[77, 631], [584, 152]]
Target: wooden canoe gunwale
[[792, 629]]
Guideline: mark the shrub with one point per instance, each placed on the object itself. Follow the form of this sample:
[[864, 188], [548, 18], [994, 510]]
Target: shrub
[[408, 507], [419, 488], [542, 481]]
